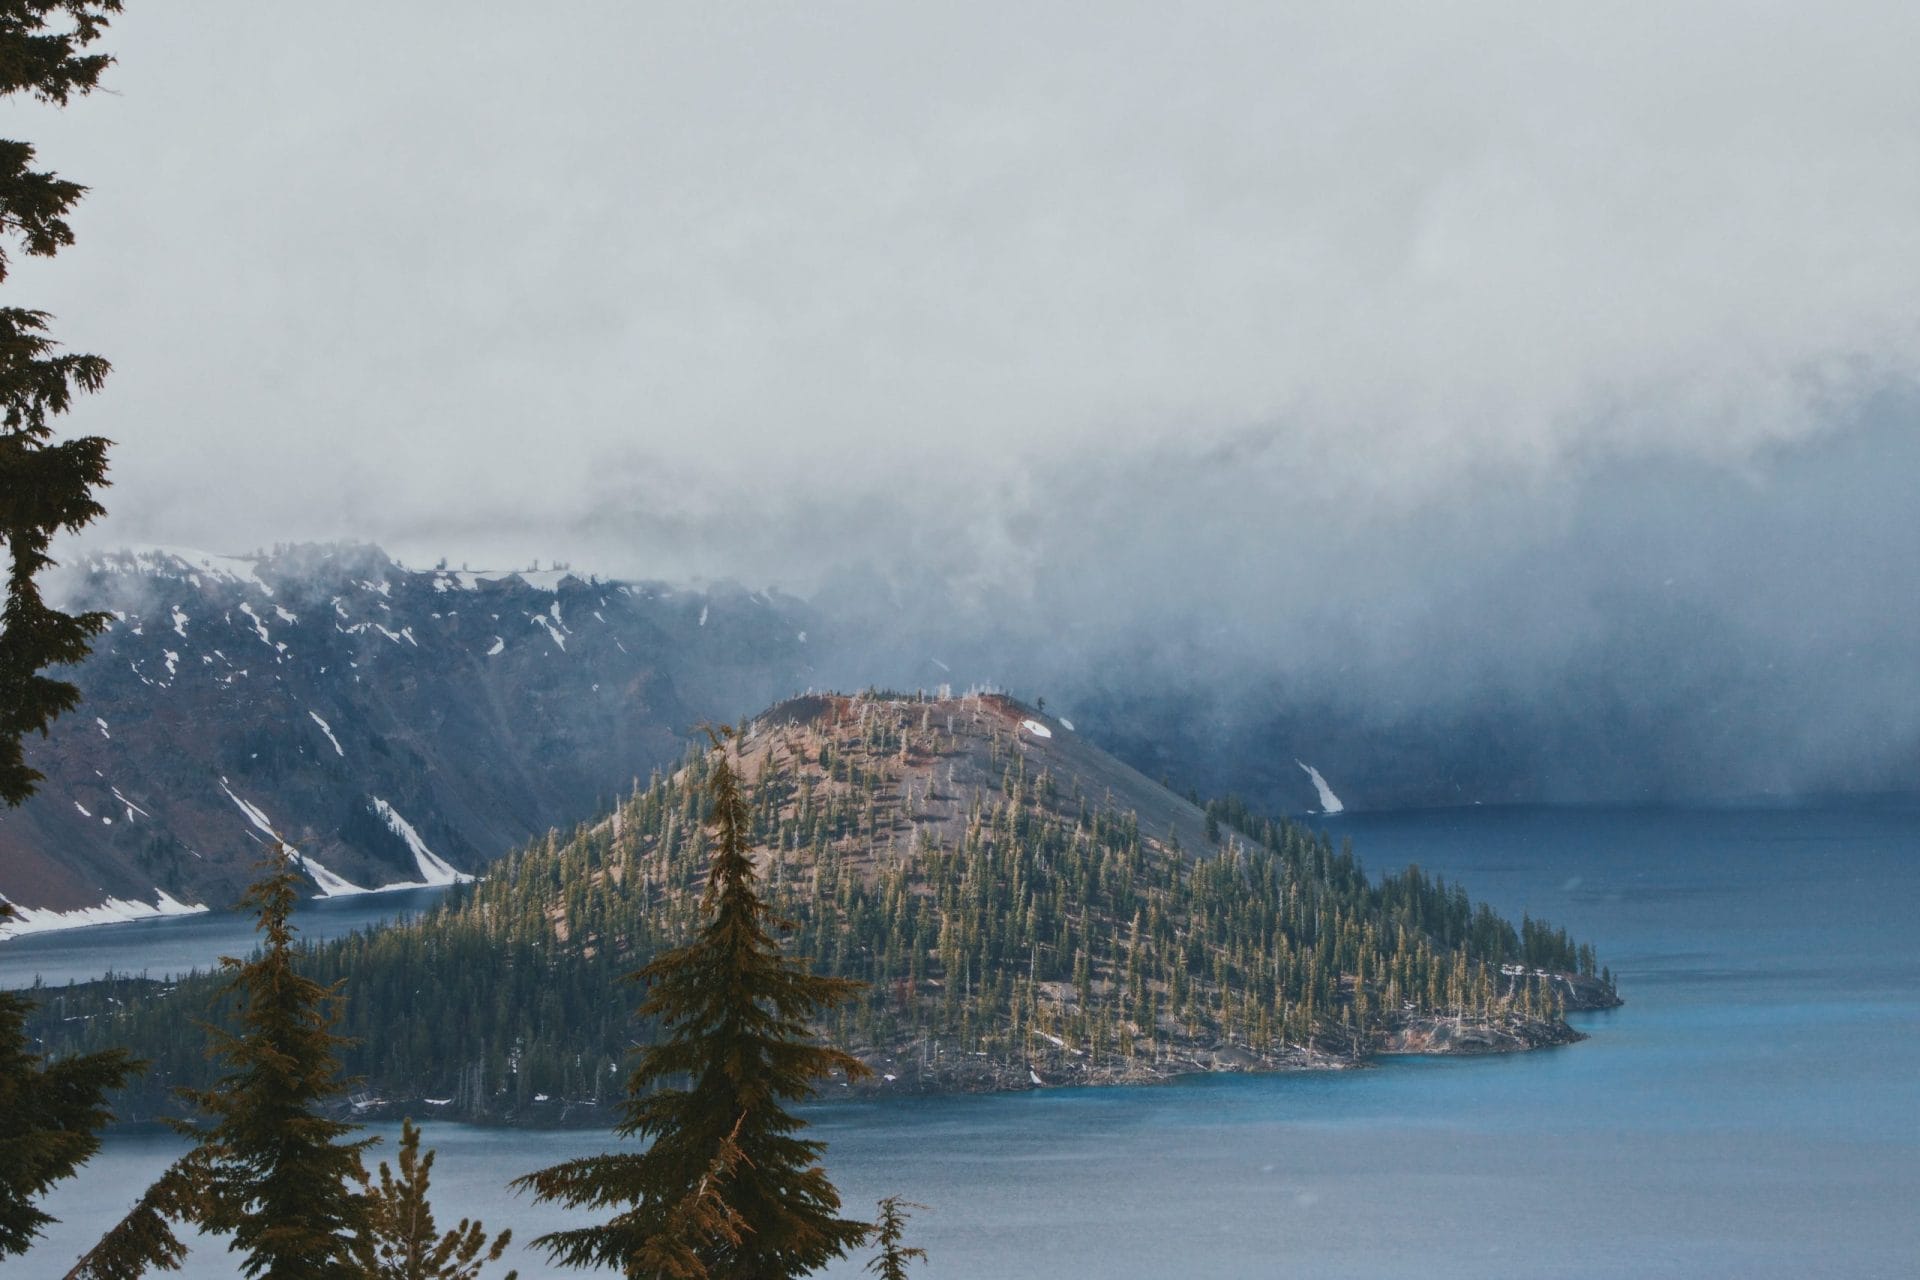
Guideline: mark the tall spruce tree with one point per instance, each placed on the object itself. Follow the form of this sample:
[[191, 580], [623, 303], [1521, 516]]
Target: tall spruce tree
[[727, 1188], [46, 485], [51, 1114], [282, 1177]]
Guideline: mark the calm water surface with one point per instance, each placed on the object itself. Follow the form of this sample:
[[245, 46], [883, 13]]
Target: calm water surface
[[1754, 1110], [172, 945]]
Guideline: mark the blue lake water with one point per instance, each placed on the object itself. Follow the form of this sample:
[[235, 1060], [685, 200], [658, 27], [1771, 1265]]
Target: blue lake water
[[1753, 1111], [170, 945]]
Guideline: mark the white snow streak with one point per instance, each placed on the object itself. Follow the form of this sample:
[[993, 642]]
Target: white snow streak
[[434, 870], [538, 579], [328, 730], [254, 815], [138, 559], [331, 885], [112, 911], [131, 807], [553, 632], [1329, 802], [259, 627]]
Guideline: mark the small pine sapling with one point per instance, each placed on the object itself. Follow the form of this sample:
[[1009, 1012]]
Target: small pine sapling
[[891, 1262], [401, 1240]]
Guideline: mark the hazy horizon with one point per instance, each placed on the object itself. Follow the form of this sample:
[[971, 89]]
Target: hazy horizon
[[1420, 368]]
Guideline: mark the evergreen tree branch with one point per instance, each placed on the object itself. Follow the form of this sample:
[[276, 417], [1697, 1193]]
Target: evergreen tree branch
[[144, 1240]]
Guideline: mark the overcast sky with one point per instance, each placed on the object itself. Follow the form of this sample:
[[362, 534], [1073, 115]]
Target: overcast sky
[[1450, 351], [449, 276]]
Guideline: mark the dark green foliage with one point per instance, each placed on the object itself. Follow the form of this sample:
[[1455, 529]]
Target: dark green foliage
[[1039, 914], [46, 486], [273, 1171], [144, 1239], [1033, 916], [726, 1188], [891, 1262], [281, 1177], [51, 1113], [402, 1241], [693, 1226]]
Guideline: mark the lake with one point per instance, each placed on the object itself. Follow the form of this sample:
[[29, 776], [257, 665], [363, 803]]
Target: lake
[[1753, 1111], [170, 945]]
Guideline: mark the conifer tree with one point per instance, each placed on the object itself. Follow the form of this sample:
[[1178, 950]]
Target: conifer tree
[[727, 1188], [51, 1113], [145, 1239], [45, 485], [272, 1171], [401, 1240], [891, 1262], [281, 1176]]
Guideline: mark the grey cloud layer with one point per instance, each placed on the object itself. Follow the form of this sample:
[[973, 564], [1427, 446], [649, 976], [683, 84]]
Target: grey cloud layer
[[1421, 348]]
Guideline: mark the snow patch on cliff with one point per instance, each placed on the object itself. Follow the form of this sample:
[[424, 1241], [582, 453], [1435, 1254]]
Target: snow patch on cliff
[[328, 730], [434, 870], [184, 562], [1329, 802], [112, 911]]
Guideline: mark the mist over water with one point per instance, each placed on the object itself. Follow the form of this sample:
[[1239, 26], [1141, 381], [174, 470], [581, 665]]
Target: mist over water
[[1620, 631], [1638, 631], [1477, 408]]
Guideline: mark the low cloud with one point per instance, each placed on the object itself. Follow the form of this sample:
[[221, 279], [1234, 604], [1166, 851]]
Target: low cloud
[[1478, 367]]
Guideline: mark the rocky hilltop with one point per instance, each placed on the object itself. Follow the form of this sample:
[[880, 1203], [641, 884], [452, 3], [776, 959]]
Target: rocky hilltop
[[1023, 908], [395, 725]]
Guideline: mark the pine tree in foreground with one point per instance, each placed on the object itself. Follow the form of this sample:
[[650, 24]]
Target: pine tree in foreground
[[144, 1240], [281, 1177], [402, 1241], [271, 1169], [46, 485], [51, 1114], [891, 1262], [726, 1189]]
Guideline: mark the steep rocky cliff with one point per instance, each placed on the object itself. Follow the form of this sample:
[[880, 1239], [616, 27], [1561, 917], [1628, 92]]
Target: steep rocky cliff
[[395, 725]]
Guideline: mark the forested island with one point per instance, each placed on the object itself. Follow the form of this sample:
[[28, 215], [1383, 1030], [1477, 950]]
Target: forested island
[[1024, 910]]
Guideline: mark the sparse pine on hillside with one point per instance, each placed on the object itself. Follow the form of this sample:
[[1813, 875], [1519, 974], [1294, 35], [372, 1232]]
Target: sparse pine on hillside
[[1005, 901]]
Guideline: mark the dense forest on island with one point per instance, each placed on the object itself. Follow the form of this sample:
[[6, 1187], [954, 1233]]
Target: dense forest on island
[[1022, 909]]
